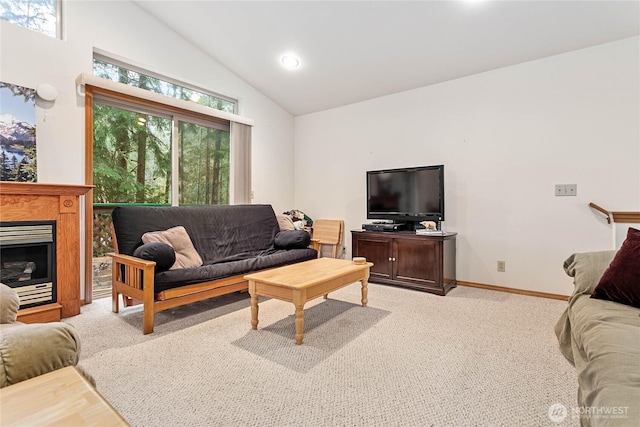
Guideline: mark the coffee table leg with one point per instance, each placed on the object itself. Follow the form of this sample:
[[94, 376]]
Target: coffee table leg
[[365, 292], [299, 323], [254, 305]]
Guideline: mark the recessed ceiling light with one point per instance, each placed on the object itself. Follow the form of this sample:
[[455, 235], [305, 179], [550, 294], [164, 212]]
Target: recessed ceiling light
[[290, 62]]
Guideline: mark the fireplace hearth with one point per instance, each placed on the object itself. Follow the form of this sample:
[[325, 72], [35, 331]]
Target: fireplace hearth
[[28, 260]]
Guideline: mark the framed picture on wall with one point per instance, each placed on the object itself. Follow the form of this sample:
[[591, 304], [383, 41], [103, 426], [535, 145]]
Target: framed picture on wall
[[17, 133]]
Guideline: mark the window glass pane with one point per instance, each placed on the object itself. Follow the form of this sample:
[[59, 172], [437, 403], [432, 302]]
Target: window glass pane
[[131, 156], [37, 15], [130, 77], [203, 165]]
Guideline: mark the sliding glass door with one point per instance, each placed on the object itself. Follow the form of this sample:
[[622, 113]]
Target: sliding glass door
[[146, 156]]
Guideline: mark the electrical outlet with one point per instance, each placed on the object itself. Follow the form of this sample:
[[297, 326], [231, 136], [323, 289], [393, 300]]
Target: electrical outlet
[[501, 266], [566, 189]]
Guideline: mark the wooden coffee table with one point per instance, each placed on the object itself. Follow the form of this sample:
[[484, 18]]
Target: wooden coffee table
[[304, 281]]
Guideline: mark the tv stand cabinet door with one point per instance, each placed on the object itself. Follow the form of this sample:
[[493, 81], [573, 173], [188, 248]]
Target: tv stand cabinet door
[[376, 249], [417, 261], [425, 263]]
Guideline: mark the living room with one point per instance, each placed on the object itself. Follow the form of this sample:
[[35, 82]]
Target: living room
[[507, 136]]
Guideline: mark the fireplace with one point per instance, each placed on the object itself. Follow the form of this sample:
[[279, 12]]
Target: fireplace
[[28, 260], [32, 201]]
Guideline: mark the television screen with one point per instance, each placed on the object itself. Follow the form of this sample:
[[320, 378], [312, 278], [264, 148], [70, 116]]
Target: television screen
[[411, 194]]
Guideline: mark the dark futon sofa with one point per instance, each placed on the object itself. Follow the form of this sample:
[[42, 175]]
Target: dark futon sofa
[[169, 256]]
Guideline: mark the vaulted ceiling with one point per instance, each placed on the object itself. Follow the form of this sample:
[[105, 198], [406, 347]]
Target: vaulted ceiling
[[352, 51]]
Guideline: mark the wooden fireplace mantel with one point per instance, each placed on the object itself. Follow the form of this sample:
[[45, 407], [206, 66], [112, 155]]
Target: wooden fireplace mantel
[[33, 188], [57, 202]]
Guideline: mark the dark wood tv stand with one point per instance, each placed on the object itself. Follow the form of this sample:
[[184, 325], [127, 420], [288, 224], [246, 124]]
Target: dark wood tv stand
[[404, 258]]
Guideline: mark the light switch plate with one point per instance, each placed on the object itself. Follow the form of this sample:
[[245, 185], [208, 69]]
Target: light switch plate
[[566, 189]]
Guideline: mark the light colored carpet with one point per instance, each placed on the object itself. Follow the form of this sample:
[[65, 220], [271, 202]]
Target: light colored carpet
[[472, 358]]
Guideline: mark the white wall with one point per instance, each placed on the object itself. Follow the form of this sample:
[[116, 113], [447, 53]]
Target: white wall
[[28, 58], [506, 137]]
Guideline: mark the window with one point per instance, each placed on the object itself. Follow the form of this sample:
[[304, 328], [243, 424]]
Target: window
[[134, 143], [112, 69], [38, 15]]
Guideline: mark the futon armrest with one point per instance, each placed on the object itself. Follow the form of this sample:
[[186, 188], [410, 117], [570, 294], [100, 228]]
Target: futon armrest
[[132, 261], [132, 272], [315, 244]]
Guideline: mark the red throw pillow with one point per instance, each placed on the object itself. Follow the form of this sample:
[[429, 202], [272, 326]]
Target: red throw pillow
[[621, 281]]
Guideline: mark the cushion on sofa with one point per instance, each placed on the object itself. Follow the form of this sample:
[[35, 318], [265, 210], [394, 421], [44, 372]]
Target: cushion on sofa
[[235, 265], [606, 353], [293, 239], [162, 253], [621, 280], [178, 239], [285, 222]]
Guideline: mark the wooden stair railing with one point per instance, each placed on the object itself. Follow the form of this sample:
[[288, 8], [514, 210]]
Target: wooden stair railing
[[601, 210], [624, 217]]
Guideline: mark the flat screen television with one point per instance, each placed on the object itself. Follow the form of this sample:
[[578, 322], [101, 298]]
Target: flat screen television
[[406, 195]]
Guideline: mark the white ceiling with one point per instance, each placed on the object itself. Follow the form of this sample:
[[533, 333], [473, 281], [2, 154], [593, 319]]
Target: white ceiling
[[357, 50]]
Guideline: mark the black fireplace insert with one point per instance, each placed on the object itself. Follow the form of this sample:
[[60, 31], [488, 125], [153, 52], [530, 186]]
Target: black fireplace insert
[[28, 260]]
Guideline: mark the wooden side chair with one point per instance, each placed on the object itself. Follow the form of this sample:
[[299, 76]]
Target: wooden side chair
[[328, 232]]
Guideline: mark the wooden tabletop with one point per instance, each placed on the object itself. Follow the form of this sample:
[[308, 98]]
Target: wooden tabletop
[[309, 273], [59, 398]]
